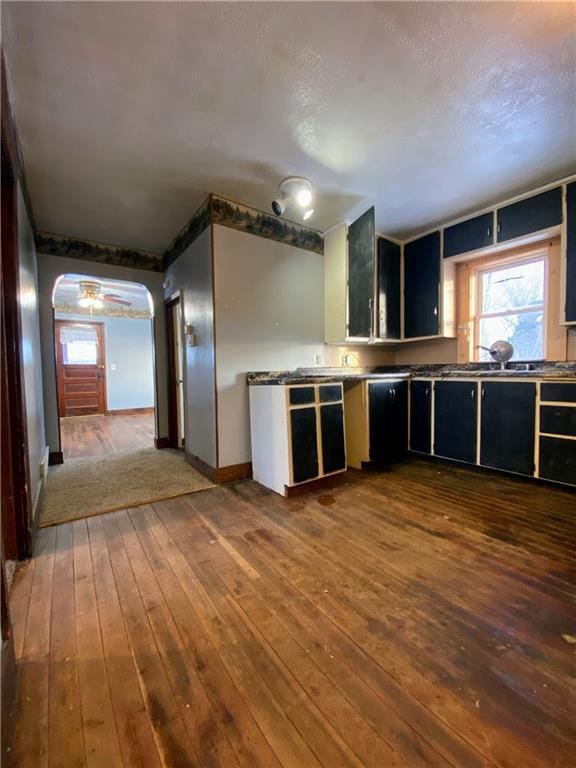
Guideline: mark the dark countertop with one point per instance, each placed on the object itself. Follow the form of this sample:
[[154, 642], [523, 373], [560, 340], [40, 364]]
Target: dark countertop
[[539, 370]]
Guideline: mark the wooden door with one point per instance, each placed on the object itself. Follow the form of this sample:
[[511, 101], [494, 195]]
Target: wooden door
[[80, 368]]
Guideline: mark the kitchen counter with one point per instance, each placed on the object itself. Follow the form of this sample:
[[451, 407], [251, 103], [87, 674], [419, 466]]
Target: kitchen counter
[[541, 370]]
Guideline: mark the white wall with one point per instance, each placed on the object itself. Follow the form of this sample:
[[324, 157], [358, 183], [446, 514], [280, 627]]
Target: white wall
[[269, 315], [52, 267], [129, 360], [191, 276], [29, 318]]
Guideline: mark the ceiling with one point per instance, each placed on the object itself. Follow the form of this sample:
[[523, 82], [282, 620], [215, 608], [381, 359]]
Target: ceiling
[[129, 114], [67, 293]]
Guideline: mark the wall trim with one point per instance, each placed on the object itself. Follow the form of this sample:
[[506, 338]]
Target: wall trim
[[161, 442], [220, 474], [329, 481], [55, 457], [53, 244], [190, 232], [129, 411]]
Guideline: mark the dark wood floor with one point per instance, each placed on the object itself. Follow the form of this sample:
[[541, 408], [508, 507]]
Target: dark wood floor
[[409, 619], [87, 436]]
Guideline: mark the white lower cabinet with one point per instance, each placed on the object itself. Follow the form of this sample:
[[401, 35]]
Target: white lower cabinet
[[297, 433]]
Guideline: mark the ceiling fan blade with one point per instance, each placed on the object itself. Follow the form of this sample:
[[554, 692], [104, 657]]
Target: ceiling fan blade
[[117, 300]]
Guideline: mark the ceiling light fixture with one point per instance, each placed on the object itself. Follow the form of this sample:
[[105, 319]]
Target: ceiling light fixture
[[295, 188]]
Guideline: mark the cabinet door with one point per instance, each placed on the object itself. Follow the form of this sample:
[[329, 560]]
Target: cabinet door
[[558, 459], [455, 414], [507, 425], [420, 416], [333, 450], [361, 260], [388, 420], [422, 286], [469, 235], [570, 304], [388, 289], [304, 444], [530, 215]]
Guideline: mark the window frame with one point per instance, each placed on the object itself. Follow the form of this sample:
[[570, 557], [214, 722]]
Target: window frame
[[492, 265]]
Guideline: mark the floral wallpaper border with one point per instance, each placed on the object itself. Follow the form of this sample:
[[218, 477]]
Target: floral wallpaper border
[[190, 232]]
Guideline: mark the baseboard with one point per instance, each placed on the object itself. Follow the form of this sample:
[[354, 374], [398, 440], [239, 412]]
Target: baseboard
[[9, 692], [161, 442], [330, 481], [55, 457], [220, 474], [129, 411]]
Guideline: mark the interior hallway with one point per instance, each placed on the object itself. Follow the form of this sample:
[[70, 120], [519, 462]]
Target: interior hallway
[[410, 619], [87, 436]]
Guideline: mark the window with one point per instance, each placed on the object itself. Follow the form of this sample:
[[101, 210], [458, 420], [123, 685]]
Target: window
[[79, 345], [510, 301]]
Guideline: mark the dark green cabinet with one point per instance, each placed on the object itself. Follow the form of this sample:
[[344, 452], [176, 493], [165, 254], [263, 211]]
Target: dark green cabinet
[[361, 261], [530, 215], [389, 261], [570, 298], [420, 416], [388, 420], [333, 448], [507, 426], [304, 444], [422, 286], [455, 420], [469, 235], [558, 459]]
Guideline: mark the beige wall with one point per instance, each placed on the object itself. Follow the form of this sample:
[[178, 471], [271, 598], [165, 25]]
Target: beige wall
[[432, 351], [269, 313], [360, 355]]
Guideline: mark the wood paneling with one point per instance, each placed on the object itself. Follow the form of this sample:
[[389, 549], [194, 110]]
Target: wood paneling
[[412, 619]]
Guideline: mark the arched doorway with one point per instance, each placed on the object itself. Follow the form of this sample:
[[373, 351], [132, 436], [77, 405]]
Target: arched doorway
[[104, 360]]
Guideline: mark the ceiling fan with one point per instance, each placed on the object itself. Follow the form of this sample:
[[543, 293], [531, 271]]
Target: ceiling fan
[[91, 296]]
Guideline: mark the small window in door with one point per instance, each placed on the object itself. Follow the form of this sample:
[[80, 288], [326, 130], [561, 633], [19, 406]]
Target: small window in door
[[79, 346], [510, 304]]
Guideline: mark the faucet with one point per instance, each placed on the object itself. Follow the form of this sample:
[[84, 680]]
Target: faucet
[[500, 351]]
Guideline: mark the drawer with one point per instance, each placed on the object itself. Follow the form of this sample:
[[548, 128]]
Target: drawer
[[301, 395], [558, 460], [330, 393], [558, 393], [558, 419]]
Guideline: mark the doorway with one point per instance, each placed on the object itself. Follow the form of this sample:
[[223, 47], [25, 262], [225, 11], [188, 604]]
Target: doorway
[[176, 416], [104, 355]]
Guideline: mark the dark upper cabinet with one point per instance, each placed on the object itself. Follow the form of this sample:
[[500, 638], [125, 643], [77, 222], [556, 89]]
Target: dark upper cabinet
[[455, 411], [304, 444], [420, 416], [570, 301], [422, 286], [469, 235], [388, 289], [388, 420], [333, 450], [530, 215], [558, 460], [361, 259], [507, 426]]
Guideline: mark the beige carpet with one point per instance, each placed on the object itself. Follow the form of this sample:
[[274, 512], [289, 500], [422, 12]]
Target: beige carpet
[[85, 487]]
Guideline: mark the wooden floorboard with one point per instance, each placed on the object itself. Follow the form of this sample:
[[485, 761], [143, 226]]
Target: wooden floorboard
[[420, 617], [93, 436]]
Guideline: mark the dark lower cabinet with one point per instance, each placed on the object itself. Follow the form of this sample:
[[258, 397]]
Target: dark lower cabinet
[[333, 448], [455, 416], [530, 215], [304, 444], [422, 286], [558, 460], [420, 416], [570, 299], [388, 420], [388, 289], [361, 258], [507, 426]]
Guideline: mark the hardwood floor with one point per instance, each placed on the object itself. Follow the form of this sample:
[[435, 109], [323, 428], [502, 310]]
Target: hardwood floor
[[86, 436], [409, 619]]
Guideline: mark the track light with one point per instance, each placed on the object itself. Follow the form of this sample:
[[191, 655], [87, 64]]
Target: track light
[[294, 188]]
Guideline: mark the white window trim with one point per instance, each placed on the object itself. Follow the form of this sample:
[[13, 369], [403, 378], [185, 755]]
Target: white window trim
[[504, 263]]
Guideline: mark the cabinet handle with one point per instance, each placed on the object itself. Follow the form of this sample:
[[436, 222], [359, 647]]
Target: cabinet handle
[[489, 231], [427, 391], [473, 393], [393, 391], [483, 393], [499, 230]]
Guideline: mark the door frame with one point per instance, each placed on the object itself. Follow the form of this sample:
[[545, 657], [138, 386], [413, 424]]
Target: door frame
[[17, 522], [173, 425], [102, 335]]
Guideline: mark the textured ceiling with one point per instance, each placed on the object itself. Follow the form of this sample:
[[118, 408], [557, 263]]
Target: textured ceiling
[[67, 293], [130, 113]]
